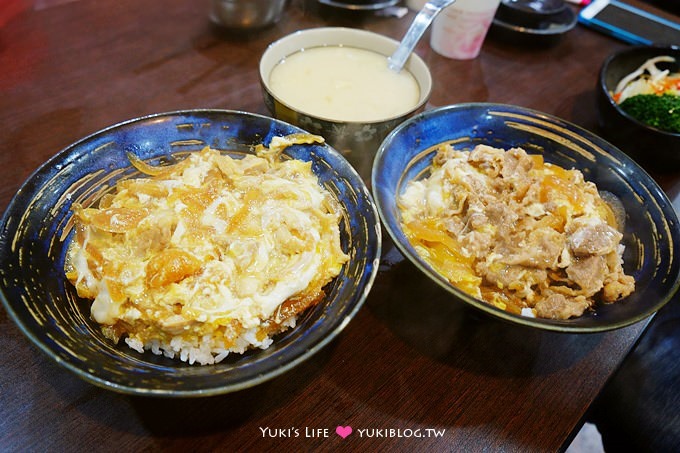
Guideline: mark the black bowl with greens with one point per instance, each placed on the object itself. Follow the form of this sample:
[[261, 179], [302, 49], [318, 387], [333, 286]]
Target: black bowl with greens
[[645, 125]]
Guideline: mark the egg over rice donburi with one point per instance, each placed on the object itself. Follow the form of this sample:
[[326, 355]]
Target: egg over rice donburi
[[524, 235], [208, 256]]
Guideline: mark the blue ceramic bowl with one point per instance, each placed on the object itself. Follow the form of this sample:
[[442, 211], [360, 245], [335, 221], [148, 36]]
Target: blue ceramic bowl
[[651, 235], [35, 229]]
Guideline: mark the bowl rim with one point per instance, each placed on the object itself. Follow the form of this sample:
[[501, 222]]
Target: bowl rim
[[107, 384], [414, 59], [523, 8], [571, 19], [603, 85], [561, 326], [358, 6]]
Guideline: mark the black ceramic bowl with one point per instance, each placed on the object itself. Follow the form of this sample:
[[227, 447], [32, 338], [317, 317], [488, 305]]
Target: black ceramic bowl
[[651, 235], [526, 27], [359, 5], [36, 227], [653, 148], [529, 13]]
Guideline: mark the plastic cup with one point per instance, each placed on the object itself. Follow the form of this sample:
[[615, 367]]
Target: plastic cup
[[458, 32]]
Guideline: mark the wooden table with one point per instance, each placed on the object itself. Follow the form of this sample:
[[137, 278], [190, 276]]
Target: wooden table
[[412, 361]]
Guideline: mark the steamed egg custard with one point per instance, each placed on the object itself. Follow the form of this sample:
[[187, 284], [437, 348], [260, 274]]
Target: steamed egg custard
[[344, 83], [208, 256], [524, 235]]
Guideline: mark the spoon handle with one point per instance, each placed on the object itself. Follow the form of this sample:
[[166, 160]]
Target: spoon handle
[[422, 20]]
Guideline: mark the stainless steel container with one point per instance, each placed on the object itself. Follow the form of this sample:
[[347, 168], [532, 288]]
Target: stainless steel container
[[246, 14]]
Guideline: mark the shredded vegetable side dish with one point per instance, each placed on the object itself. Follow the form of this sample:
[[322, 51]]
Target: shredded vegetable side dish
[[208, 256], [651, 95], [524, 235]]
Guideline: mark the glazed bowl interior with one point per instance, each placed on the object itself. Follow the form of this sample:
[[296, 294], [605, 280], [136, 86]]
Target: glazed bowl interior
[[356, 140], [651, 231], [37, 227], [655, 149]]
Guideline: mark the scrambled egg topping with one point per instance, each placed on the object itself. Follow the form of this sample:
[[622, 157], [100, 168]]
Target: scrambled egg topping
[[208, 256], [519, 233]]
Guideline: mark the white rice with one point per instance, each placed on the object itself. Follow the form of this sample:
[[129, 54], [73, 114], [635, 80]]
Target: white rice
[[205, 350]]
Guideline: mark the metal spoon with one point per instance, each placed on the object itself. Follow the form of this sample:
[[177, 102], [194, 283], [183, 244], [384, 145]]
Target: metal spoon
[[422, 20]]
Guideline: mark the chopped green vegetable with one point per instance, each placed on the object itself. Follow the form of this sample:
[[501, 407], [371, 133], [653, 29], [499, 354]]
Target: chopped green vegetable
[[659, 111]]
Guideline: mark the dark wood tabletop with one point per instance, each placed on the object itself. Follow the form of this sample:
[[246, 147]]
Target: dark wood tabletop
[[411, 362]]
